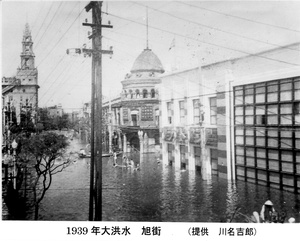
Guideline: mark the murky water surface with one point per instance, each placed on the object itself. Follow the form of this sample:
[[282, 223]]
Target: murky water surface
[[158, 193]]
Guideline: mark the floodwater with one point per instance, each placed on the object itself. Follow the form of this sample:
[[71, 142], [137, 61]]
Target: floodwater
[[158, 193]]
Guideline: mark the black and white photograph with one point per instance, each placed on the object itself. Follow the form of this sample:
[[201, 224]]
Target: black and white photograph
[[151, 111]]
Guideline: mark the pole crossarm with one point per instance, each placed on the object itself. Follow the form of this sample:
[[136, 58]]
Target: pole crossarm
[[97, 25], [91, 51]]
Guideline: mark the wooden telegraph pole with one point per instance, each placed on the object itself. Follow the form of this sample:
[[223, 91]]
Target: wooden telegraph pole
[[96, 115]]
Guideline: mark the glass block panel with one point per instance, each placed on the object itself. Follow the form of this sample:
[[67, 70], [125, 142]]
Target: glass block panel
[[297, 143], [297, 157], [261, 153], [287, 167], [261, 175], [287, 156], [272, 87], [239, 150], [286, 133], [238, 92], [261, 163], [249, 110], [239, 120], [285, 119], [240, 160], [248, 99], [273, 154], [272, 97], [298, 168], [251, 173], [260, 90], [297, 94], [239, 100], [286, 109], [272, 132], [285, 95], [240, 171], [297, 119], [274, 177], [250, 152], [272, 110], [272, 120], [260, 132], [249, 90], [239, 131], [288, 180], [286, 143], [239, 139], [239, 110], [249, 120], [273, 165], [260, 98], [260, 110], [273, 142], [260, 141], [249, 132], [285, 86], [250, 161]]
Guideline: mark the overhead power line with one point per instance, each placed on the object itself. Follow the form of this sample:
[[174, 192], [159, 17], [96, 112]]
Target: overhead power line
[[217, 29], [241, 18], [197, 40]]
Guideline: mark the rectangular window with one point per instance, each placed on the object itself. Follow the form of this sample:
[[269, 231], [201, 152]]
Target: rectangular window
[[170, 111], [213, 110], [182, 112], [196, 111]]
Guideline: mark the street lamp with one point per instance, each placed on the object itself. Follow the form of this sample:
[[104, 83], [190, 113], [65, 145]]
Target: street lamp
[[14, 145]]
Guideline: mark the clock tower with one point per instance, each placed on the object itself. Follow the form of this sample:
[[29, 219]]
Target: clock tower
[[27, 55], [27, 74]]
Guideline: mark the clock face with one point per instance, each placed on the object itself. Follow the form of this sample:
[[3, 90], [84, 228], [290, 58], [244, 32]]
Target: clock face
[[27, 39]]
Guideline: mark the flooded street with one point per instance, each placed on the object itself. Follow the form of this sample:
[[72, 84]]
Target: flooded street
[[157, 193]]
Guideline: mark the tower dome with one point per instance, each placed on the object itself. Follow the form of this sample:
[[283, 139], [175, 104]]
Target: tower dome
[[147, 61]]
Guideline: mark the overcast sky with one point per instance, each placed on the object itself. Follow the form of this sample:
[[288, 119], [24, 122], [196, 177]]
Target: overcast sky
[[211, 31]]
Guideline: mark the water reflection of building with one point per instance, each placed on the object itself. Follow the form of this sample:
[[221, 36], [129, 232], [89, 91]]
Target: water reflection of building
[[238, 119]]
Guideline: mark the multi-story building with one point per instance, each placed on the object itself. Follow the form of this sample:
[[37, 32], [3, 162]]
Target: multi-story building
[[188, 121], [55, 111], [21, 97], [250, 108], [134, 116]]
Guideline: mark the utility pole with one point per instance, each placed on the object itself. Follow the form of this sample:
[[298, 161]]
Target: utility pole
[[96, 137]]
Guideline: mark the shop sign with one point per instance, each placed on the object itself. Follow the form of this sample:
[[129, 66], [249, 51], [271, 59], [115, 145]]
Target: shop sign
[[211, 136], [168, 134], [195, 135], [125, 113], [181, 135]]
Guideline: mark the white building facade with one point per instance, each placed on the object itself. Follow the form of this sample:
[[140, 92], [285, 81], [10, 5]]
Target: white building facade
[[249, 118]]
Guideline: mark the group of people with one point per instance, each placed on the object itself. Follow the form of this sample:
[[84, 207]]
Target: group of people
[[125, 162], [268, 214]]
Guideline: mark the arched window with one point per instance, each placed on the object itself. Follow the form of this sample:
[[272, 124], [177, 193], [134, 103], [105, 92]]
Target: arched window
[[145, 93], [131, 94], [137, 93], [125, 93], [152, 93]]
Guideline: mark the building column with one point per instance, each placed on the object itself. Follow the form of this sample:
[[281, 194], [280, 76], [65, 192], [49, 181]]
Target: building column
[[124, 143], [119, 140], [205, 156], [141, 137]]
